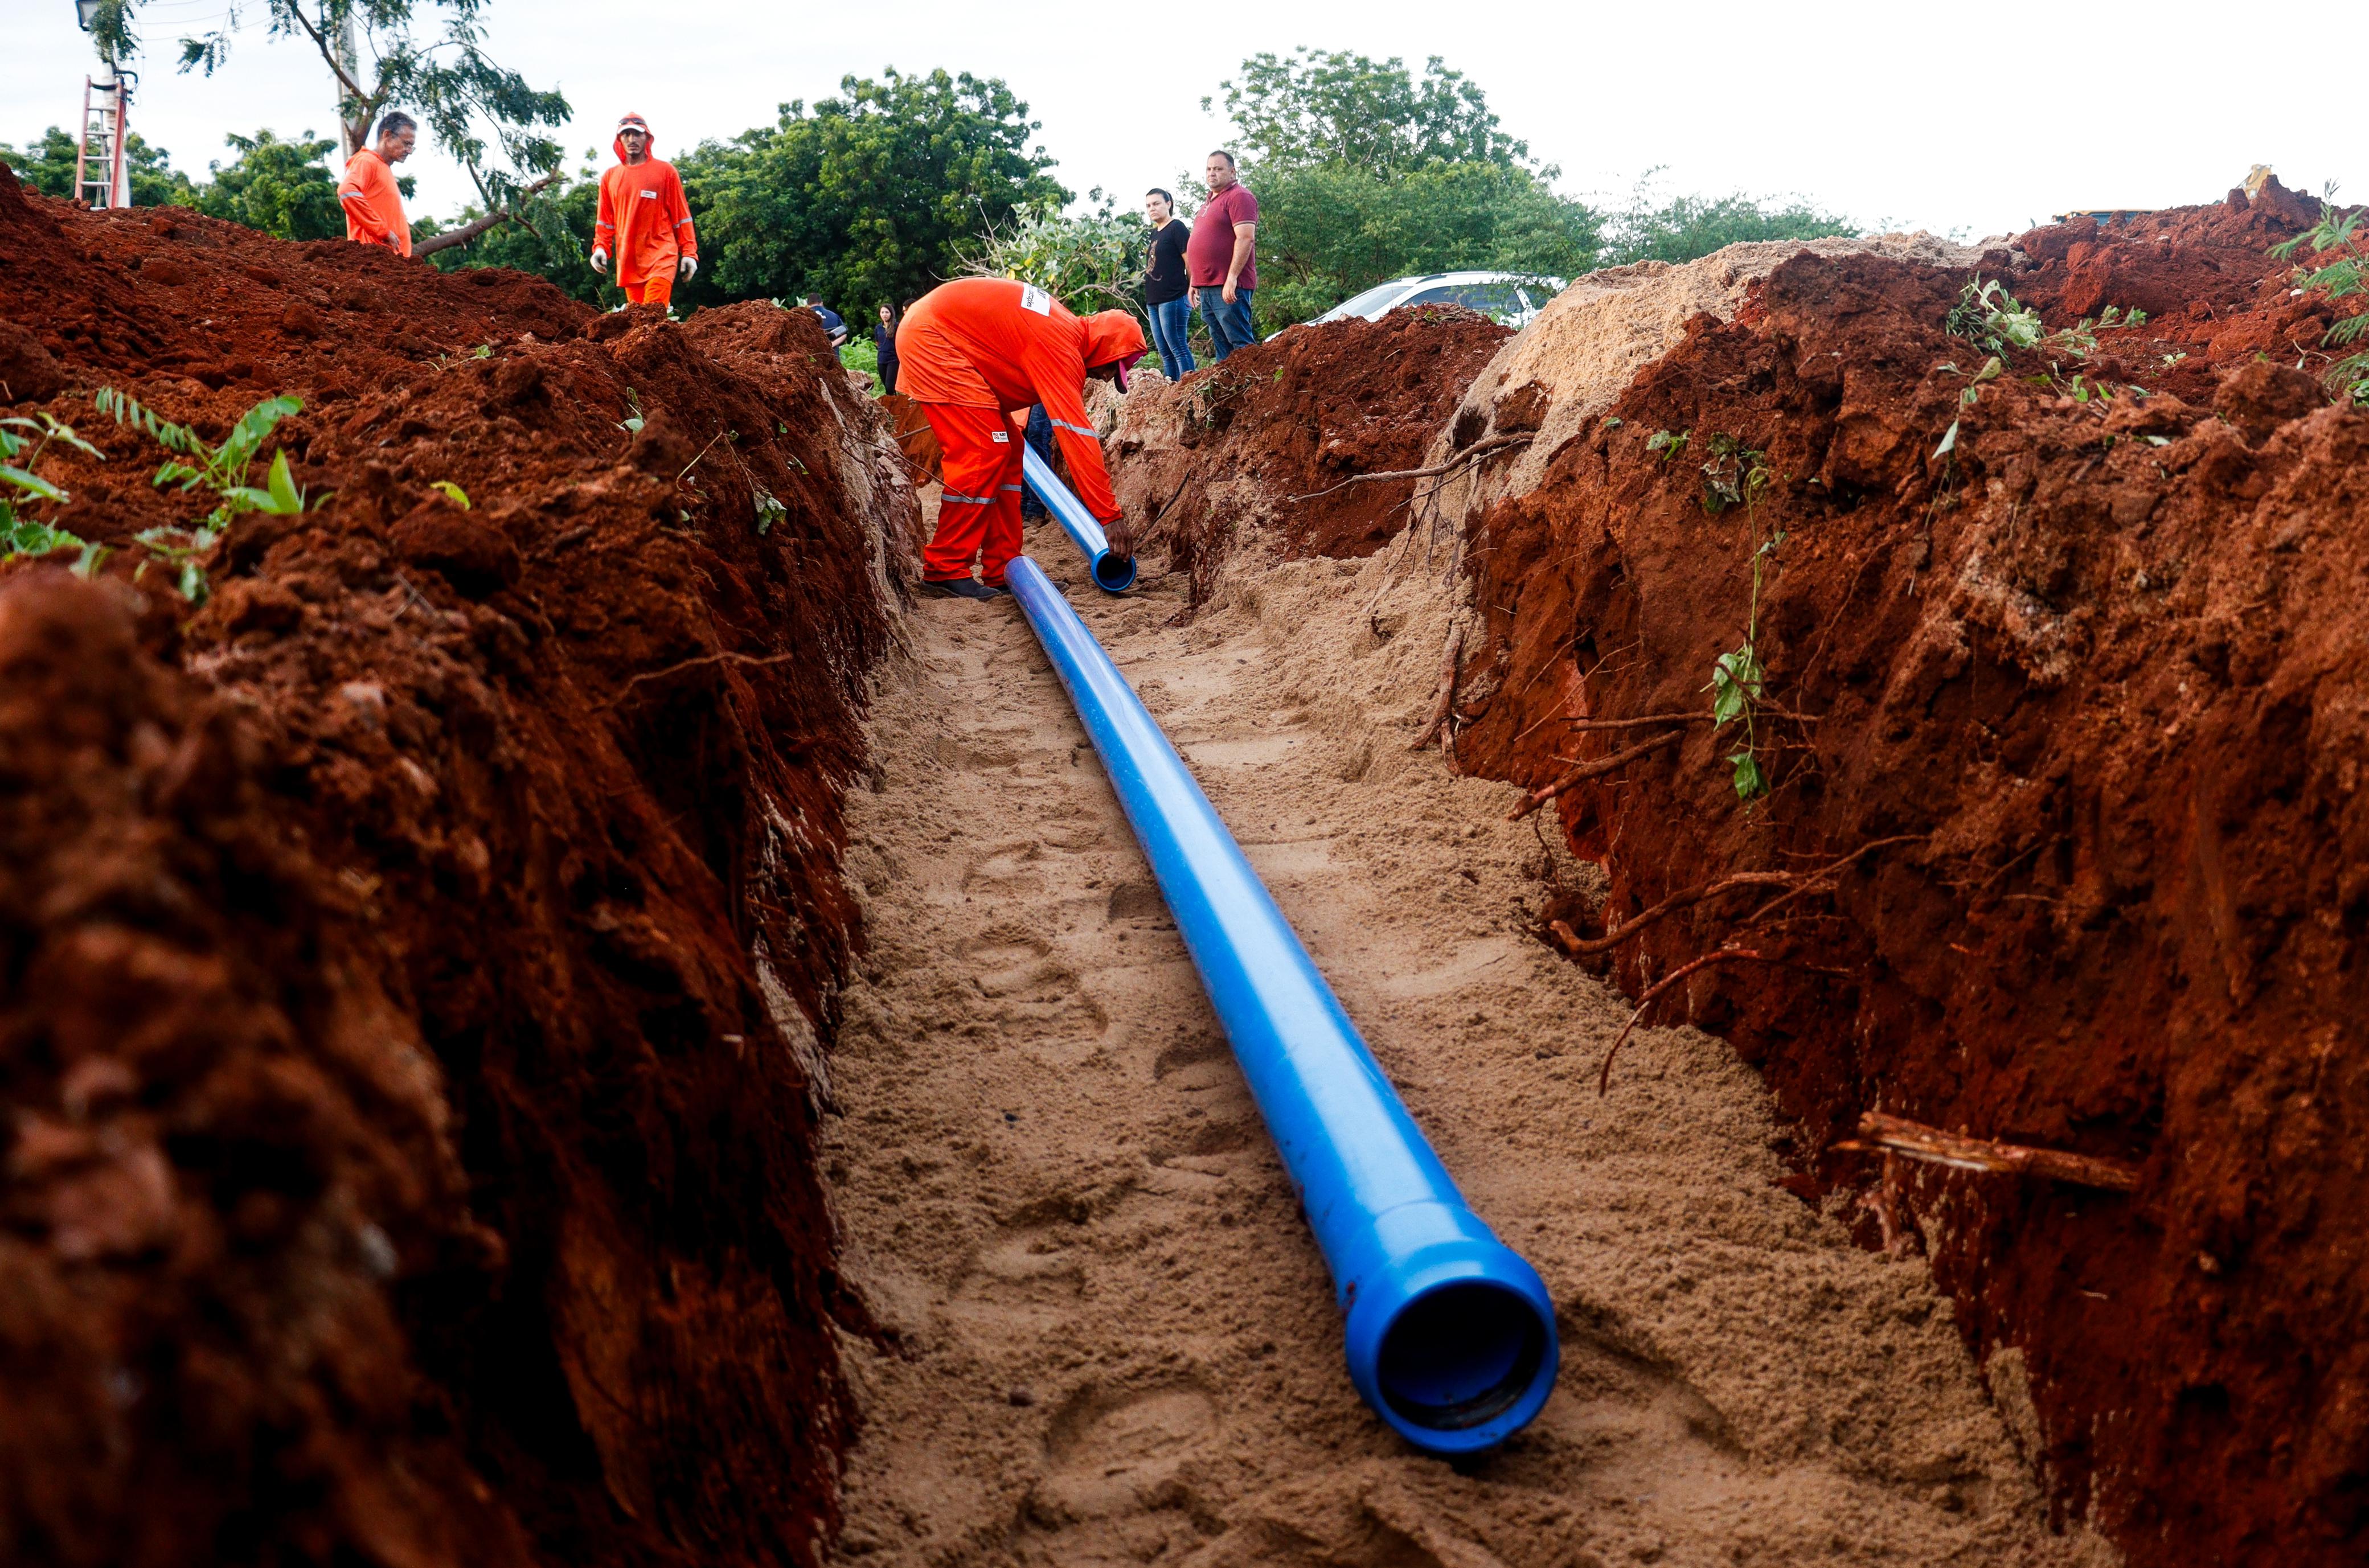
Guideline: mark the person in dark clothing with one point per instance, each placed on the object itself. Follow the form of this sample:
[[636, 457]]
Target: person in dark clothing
[[1040, 438], [884, 340], [1164, 286], [832, 322]]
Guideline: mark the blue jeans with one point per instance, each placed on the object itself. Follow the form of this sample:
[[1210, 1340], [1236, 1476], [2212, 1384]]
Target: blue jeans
[[1171, 319], [1039, 436], [1229, 324]]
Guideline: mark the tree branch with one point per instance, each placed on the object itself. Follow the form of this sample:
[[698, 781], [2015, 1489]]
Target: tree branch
[[477, 226]]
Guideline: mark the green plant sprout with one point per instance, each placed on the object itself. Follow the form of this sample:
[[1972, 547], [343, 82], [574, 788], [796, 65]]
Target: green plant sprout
[[632, 424], [1992, 319], [219, 470], [451, 492], [22, 535], [769, 510], [2347, 277], [1667, 445], [1738, 475]]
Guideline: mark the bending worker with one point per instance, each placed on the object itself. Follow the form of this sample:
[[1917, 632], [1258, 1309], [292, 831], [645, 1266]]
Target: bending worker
[[972, 352], [644, 223]]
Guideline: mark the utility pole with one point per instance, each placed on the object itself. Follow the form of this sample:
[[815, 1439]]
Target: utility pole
[[102, 179], [349, 55]]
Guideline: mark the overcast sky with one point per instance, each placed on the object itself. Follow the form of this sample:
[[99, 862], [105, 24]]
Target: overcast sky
[[1951, 118]]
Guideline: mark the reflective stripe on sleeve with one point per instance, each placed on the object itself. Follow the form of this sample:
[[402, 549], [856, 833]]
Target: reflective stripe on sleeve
[[1076, 429], [966, 500]]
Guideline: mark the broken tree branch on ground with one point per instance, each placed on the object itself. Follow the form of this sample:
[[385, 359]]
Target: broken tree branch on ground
[[1881, 1134]]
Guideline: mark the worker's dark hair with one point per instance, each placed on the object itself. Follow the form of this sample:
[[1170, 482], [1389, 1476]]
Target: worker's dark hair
[[1221, 152], [394, 120], [1155, 190], [814, 299]]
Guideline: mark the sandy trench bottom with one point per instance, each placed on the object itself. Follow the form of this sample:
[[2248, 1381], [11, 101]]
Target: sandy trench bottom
[[1112, 1339]]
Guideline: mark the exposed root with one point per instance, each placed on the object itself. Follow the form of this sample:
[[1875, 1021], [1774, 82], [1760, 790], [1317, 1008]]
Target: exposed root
[[1586, 771], [1446, 700], [1888, 1136], [1469, 454], [1654, 994]]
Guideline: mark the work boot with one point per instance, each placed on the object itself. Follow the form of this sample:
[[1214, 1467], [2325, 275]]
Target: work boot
[[960, 588]]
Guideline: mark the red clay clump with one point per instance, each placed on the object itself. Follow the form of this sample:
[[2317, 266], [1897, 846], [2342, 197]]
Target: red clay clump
[[2078, 679], [416, 956], [1271, 437]]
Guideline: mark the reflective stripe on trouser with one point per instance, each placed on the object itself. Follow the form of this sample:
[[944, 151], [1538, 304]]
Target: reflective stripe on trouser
[[979, 514]]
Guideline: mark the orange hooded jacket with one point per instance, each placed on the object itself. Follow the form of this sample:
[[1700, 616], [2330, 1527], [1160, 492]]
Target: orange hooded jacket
[[996, 343], [644, 223]]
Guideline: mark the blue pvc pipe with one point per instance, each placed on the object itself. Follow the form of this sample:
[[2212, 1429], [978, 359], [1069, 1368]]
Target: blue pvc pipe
[[1112, 574], [1452, 1335]]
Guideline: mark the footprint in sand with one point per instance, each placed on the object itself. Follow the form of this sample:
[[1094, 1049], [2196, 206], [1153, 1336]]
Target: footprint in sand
[[1110, 1452]]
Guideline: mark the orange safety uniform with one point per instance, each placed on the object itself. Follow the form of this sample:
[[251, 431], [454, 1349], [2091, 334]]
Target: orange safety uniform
[[972, 353], [645, 225], [373, 202]]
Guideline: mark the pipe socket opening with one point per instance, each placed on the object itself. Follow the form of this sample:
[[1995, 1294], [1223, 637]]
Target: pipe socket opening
[[1114, 573], [1461, 1356]]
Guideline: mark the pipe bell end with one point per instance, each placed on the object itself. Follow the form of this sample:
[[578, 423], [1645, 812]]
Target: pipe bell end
[[1113, 573], [1455, 1346]]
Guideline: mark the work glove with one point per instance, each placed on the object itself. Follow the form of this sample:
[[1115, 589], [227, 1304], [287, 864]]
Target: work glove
[[600, 259], [690, 265]]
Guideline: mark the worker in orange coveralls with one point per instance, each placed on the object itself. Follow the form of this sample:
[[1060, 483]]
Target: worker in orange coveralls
[[644, 223], [373, 205], [975, 351]]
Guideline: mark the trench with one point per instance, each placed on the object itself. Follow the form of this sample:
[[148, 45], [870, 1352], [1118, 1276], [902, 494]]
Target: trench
[[1106, 1335]]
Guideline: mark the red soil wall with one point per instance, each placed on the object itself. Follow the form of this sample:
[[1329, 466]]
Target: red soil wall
[[2100, 664], [415, 958], [1197, 460]]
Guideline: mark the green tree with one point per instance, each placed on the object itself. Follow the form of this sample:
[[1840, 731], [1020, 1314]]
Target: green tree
[[48, 165], [1365, 172], [867, 196], [484, 114], [1090, 261], [282, 188], [1690, 226], [1341, 109]]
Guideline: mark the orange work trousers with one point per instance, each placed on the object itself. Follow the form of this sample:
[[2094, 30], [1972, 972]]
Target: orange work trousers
[[658, 289], [978, 515]]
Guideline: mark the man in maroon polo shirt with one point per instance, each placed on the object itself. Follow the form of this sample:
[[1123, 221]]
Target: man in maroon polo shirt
[[1219, 261]]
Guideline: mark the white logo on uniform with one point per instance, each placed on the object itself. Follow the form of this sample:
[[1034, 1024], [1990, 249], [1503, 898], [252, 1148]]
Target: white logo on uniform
[[1035, 299], [648, 195], [1002, 436]]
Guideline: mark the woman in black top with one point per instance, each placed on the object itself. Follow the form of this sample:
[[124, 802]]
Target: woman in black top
[[1164, 286], [884, 338]]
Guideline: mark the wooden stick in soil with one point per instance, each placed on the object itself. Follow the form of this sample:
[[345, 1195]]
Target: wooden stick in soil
[[1880, 1134], [1586, 771], [1446, 700]]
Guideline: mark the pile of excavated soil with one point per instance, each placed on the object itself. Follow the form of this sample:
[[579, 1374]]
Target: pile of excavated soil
[[1109, 1336], [2081, 673], [1268, 441], [417, 958]]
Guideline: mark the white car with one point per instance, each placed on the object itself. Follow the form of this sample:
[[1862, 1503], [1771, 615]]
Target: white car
[[1512, 298]]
